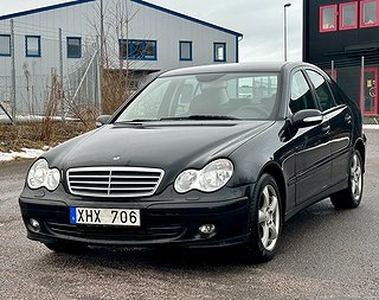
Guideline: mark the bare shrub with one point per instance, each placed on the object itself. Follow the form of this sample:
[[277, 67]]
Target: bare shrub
[[86, 114], [44, 128], [115, 89], [27, 135]]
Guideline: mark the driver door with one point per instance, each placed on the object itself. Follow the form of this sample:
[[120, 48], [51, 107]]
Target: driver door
[[313, 168]]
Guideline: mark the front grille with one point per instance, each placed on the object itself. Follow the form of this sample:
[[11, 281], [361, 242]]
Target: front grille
[[119, 234], [111, 182]]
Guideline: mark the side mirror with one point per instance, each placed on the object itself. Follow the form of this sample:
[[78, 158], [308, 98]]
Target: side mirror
[[306, 118], [102, 120]]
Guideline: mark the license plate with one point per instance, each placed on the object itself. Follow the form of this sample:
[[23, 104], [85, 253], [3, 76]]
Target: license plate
[[105, 216]]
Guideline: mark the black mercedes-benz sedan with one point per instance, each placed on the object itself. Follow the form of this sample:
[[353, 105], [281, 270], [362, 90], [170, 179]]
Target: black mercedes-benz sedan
[[205, 156]]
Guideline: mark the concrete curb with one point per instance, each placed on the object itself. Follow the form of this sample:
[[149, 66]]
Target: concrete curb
[[370, 126]]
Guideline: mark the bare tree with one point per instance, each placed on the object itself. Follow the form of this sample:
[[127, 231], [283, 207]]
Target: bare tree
[[118, 78]]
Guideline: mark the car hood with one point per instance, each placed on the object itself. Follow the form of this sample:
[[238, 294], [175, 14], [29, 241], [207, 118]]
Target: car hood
[[155, 145]]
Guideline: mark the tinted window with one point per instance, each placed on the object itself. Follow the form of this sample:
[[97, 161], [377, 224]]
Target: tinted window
[[324, 95], [339, 96], [301, 96]]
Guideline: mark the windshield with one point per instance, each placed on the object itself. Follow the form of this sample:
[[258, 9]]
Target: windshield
[[242, 96]]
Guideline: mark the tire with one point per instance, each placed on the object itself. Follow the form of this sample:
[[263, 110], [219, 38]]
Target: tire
[[352, 195], [265, 220], [67, 247]]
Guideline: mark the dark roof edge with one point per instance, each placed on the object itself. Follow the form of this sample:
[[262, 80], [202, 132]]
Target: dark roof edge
[[186, 17], [42, 9]]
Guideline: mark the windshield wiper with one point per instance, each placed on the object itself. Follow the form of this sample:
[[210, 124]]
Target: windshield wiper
[[200, 117], [182, 118], [136, 121]]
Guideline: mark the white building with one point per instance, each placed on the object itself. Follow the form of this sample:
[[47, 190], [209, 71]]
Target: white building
[[38, 47]]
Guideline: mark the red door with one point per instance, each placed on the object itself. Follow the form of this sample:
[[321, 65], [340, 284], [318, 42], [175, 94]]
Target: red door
[[370, 100]]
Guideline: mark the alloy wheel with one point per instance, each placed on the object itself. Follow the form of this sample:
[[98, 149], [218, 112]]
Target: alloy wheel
[[356, 177], [269, 217]]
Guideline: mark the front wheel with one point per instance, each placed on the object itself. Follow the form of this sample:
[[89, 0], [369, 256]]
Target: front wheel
[[352, 195], [265, 220]]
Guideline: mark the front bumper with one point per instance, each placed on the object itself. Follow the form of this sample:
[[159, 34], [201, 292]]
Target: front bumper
[[162, 222]]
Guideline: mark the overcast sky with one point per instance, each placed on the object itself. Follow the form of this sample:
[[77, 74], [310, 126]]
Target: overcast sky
[[261, 22]]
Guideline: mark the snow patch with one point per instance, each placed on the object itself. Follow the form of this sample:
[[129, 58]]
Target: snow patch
[[26, 153]]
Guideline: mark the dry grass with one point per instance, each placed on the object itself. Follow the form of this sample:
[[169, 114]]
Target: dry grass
[[37, 135]]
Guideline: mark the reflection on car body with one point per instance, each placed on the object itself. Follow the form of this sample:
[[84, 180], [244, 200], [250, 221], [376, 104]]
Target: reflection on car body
[[205, 156]]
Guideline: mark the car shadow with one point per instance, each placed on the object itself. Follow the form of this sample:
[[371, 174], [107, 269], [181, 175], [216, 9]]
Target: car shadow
[[159, 258]]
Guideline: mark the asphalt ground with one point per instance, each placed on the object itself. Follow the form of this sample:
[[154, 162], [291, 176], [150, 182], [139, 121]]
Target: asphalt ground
[[324, 254]]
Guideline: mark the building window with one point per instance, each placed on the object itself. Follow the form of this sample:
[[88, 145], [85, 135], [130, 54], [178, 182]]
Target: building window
[[328, 20], [74, 47], [219, 52], [138, 49], [5, 45], [348, 15], [33, 46], [185, 50], [369, 13]]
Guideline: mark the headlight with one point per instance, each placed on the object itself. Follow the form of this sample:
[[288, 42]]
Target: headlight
[[209, 179], [40, 175]]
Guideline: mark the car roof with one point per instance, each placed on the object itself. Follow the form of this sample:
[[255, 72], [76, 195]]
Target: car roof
[[233, 67]]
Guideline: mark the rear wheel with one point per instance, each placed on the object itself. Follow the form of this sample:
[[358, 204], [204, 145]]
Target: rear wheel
[[265, 220], [352, 195], [67, 247]]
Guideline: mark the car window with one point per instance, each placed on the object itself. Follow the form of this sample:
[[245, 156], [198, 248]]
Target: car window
[[339, 96], [150, 107], [323, 92], [252, 91], [242, 96], [183, 95], [301, 96]]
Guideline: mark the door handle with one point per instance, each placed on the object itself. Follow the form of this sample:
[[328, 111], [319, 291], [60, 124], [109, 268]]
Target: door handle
[[348, 118], [325, 128]]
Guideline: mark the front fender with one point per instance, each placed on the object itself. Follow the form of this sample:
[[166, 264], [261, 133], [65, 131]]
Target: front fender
[[251, 159]]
